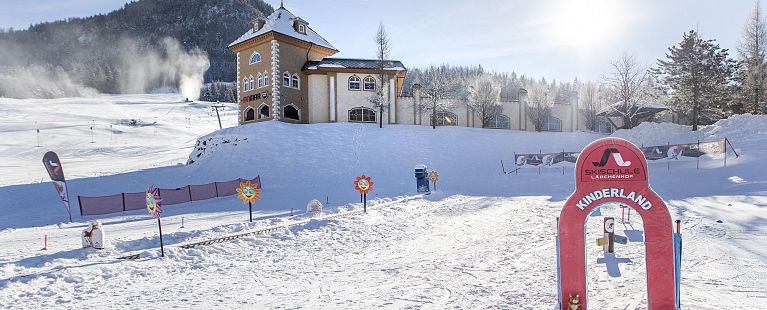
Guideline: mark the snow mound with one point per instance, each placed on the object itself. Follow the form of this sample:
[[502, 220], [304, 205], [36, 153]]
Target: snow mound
[[736, 128]]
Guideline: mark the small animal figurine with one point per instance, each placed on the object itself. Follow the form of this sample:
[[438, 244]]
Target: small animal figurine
[[574, 302]]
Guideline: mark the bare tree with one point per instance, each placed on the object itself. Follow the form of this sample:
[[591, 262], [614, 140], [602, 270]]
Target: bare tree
[[539, 103], [484, 94], [438, 91], [591, 103], [383, 49], [627, 82], [753, 56]]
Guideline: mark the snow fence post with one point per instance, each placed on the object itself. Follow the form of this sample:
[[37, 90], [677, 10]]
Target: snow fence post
[[697, 163], [668, 160], [725, 152], [540, 154]]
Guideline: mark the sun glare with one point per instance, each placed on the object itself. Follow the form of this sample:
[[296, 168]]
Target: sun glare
[[584, 23]]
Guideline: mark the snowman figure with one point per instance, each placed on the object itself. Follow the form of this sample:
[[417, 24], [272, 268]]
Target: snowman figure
[[93, 236]]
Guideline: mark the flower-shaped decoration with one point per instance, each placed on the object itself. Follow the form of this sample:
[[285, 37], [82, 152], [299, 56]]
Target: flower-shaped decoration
[[363, 184], [249, 192], [153, 201], [433, 176]]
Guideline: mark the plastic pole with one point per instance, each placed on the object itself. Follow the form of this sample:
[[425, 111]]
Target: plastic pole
[[162, 249], [250, 208], [365, 204]]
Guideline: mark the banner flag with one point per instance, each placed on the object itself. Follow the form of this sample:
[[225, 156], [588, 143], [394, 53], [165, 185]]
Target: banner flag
[[546, 159], [56, 172], [670, 151]]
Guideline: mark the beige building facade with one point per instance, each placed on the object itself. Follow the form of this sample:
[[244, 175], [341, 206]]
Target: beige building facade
[[285, 72]]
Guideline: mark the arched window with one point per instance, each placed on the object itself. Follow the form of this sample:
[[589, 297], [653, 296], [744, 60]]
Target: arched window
[[245, 84], [263, 111], [362, 115], [291, 112], [369, 83], [266, 79], [252, 85], [603, 126], [255, 58], [249, 114], [286, 79], [499, 122], [260, 80], [296, 83], [446, 119], [553, 124], [354, 83]]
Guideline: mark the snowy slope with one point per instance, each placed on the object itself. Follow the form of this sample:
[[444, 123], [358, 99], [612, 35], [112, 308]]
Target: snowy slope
[[485, 239]]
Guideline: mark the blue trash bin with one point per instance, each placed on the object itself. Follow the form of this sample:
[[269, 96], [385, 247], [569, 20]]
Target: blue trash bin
[[422, 179]]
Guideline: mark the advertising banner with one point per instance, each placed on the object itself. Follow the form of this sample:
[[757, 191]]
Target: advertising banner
[[652, 153], [546, 159], [56, 172]]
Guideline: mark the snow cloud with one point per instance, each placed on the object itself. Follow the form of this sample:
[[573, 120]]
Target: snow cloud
[[169, 65]]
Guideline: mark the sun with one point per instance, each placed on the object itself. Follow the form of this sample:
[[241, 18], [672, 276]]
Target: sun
[[585, 23], [249, 192]]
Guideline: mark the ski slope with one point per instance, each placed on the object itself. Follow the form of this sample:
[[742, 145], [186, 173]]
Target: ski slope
[[484, 239]]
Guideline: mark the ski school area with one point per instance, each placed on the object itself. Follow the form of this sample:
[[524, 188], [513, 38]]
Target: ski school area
[[350, 216]]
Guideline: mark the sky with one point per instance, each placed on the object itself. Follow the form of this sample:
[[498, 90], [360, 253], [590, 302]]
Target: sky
[[558, 40]]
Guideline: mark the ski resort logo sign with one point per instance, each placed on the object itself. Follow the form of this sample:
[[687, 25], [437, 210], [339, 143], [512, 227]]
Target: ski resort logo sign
[[615, 170]]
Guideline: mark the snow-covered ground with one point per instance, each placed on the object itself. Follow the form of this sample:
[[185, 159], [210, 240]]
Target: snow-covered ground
[[484, 239]]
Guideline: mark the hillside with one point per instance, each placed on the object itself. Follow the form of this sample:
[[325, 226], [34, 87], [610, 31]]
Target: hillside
[[84, 48]]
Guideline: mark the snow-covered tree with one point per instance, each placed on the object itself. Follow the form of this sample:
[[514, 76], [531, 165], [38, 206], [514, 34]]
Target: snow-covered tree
[[438, 93], [753, 57], [591, 103], [483, 97], [698, 73], [627, 85], [540, 99]]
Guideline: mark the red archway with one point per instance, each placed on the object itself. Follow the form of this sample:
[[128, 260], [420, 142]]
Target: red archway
[[615, 170]]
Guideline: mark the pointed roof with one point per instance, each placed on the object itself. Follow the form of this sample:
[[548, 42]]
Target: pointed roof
[[281, 21]]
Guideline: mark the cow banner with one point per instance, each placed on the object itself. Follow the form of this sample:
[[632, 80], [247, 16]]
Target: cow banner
[[652, 153], [546, 159], [678, 151], [56, 172]]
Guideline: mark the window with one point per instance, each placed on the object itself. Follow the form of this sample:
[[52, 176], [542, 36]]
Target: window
[[249, 114], [369, 83], [245, 84], [286, 79], [255, 58], [362, 115], [266, 79], [553, 124], [302, 29], [446, 119], [260, 80], [291, 112], [603, 126], [296, 83], [251, 83], [263, 111], [500, 122], [354, 83]]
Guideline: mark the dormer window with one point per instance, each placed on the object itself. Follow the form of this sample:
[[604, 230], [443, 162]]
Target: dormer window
[[257, 24], [299, 25]]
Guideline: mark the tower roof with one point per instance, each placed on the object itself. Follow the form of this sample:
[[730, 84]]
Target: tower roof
[[281, 21]]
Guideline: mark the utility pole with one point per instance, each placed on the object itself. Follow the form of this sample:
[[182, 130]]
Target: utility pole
[[216, 106]]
